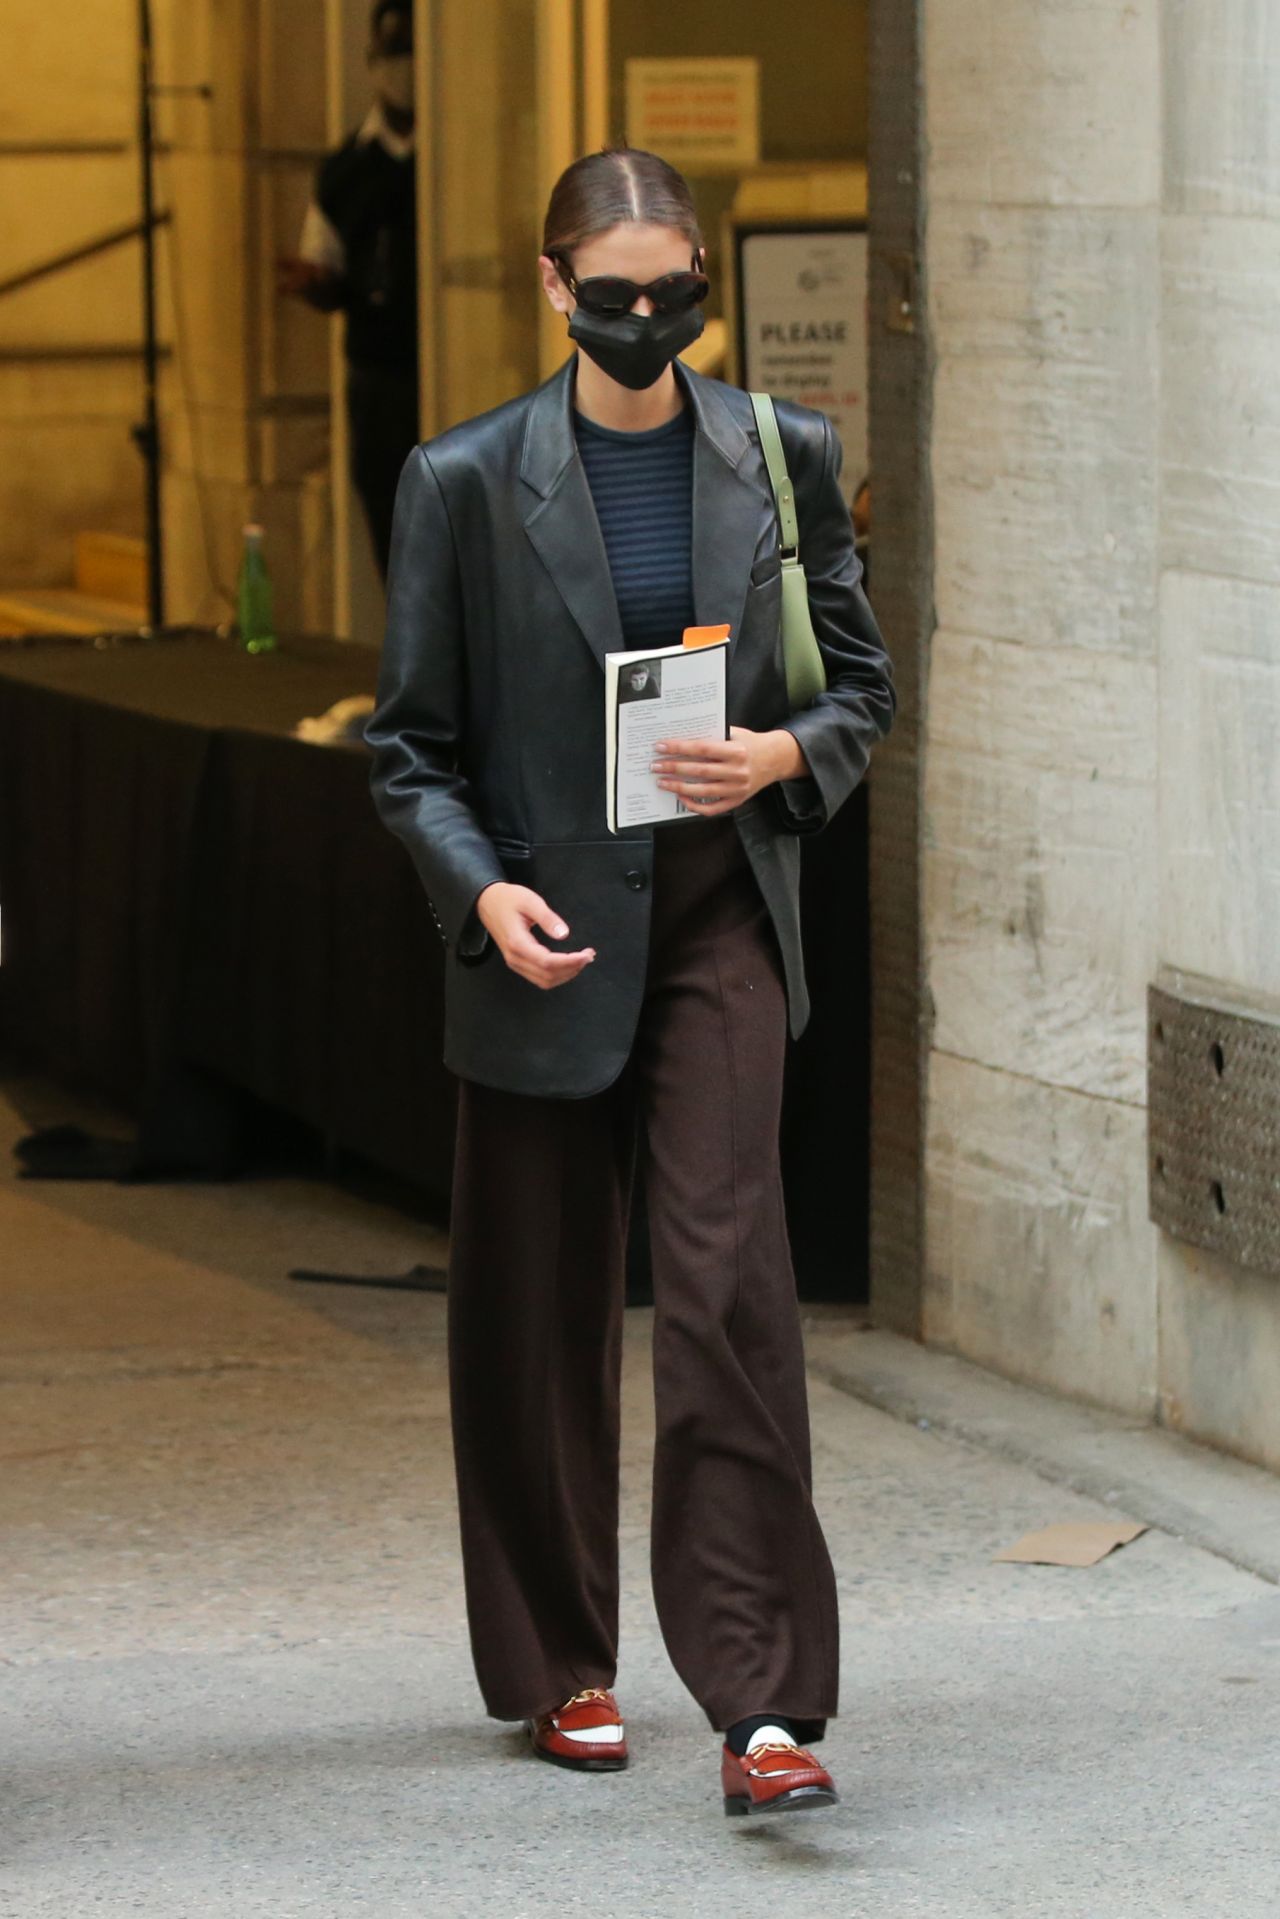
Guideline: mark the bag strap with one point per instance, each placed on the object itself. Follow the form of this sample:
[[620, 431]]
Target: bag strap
[[776, 461]]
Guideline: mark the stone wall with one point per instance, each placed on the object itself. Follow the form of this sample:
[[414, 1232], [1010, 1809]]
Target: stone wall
[[1102, 794], [1219, 627]]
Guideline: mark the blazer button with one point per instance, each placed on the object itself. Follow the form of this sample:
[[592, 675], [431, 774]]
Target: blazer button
[[637, 880]]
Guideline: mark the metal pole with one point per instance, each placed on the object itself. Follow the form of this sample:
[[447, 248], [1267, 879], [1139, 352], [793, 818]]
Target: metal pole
[[148, 434]]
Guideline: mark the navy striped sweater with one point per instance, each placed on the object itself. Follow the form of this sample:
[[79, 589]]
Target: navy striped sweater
[[642, 485]]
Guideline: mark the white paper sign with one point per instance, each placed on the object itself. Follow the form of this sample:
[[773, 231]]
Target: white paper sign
[[804, 310], [695, 111]]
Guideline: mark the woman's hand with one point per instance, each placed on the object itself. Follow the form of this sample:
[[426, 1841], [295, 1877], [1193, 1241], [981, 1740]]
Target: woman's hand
[[714, 776], [508, 912]]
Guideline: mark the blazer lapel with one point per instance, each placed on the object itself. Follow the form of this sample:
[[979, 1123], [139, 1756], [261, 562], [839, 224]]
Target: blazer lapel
[[726, 510], [562, 524], [563, 527]]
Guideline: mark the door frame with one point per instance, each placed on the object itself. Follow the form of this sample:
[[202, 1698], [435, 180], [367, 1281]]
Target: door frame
[[900, 410], [573, 117], [359, 604]]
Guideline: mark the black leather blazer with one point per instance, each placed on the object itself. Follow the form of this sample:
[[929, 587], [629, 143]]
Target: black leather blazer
[[488, 733]]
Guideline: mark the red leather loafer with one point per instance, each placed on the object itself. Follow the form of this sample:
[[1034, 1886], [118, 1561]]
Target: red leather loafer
[[775, 1778], [593, 1711]]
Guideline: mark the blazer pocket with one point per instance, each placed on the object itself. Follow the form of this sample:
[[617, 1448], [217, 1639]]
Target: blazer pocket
[[766, 569], [516, 859]]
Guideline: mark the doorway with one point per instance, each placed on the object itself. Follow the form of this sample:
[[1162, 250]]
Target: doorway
[[359, 602], [510, 91]]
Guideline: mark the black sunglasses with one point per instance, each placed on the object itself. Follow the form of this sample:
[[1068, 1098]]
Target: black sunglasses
[[607, 295]]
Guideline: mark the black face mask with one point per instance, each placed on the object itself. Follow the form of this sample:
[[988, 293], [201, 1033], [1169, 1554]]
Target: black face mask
[[635, 349]]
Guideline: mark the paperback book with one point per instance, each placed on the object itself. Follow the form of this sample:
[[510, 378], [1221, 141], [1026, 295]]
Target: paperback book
[[673, 693]]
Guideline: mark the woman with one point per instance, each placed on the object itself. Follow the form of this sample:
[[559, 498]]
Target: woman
[[596, 977]]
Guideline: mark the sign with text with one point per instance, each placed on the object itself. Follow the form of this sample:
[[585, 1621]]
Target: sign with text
[[802, 308], [695, 112]]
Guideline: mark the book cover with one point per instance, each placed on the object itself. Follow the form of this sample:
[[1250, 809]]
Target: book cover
[[670, 693]]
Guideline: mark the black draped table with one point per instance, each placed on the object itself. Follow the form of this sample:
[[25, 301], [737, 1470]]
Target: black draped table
[[185, 885]]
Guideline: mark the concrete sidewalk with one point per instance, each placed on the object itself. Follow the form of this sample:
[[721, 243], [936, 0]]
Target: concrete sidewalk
[[236, 1673]]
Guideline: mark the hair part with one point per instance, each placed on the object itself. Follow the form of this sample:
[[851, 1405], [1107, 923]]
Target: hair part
[[615, 186]]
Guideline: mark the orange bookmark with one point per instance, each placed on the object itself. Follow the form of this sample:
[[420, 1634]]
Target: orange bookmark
[[705, 635]]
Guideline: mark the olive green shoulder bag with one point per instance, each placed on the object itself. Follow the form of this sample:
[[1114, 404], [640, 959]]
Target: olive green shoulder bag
[[806, 675]]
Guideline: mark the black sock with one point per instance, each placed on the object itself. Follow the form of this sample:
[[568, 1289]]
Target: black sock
[[740, 1732]]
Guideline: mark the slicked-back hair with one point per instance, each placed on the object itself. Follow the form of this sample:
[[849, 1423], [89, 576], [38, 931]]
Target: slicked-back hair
[[608, 189]]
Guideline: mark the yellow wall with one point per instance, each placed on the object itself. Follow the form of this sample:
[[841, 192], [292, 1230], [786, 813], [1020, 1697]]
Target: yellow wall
[[66, 460], [487, 203], [813, 64], [244, 410], [240, 442], [245, 416]]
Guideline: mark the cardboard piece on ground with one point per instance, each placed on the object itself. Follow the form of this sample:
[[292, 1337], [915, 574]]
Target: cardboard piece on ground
[[1080, 1542]]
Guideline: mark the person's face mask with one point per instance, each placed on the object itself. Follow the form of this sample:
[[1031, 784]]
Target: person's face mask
[[393, 79], [635, 348]]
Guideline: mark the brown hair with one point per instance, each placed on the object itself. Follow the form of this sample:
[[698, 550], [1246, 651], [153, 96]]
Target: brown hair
[[605, 189]]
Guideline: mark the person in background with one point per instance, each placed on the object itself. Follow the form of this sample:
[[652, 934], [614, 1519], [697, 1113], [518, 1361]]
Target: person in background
[[358, 255]]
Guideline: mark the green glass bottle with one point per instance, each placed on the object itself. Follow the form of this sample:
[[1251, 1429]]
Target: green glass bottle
[[253, 597]]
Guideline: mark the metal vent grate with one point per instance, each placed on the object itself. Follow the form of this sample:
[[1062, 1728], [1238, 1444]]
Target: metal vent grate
[[1213, 1128]]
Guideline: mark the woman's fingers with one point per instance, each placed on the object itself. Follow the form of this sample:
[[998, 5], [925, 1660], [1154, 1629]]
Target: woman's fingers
[[541, 968], [708, 749], [703, 774], [702, 787], [715, 771], [517, 912], [527, 956], [538, 913], [530, 952], [711, 776]]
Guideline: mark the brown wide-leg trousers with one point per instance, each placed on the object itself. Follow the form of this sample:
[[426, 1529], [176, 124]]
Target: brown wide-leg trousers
[[742, 1580]]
